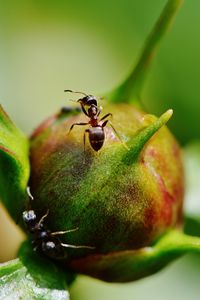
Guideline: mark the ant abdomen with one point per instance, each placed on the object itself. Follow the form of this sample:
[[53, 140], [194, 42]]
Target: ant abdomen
[[96, 137]]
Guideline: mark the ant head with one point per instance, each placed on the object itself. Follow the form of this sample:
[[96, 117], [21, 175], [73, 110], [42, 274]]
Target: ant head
[[92, 111], [29, 216], [88, 100]]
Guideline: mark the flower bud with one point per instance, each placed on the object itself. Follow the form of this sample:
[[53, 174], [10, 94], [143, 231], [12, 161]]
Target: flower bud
[[120, 198]]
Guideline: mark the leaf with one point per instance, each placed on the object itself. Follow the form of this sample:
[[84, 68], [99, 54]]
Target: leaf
[[33, 277], [132, 265], [131, 88], [14, 165]]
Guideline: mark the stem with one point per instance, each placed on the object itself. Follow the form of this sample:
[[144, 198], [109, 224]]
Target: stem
[[130, 90]]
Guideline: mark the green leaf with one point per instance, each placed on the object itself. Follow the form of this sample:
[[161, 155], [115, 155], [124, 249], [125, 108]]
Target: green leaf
[[132, 265], [130, 90], [33, 277], [14, 165]]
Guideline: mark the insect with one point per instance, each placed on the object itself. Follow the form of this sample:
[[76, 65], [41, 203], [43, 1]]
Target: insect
[[69, 110], [96, 131], [43, 239]]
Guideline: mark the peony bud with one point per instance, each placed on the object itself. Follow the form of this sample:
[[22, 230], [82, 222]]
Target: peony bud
[[120, 198]]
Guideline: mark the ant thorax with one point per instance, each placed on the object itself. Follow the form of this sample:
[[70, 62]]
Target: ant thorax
[[93, 111]]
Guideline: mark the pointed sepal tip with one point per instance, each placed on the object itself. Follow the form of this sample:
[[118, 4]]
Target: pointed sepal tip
[[138, 141]]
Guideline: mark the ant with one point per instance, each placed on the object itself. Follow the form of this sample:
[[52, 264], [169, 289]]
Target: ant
[[43, 239], [96, 131], [68, 110]]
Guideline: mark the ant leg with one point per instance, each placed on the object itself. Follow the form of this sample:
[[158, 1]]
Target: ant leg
[[76, 124], [116, 133], [86, 131], [77, 247], [99, 110], [104, 123], [107, 115], [83, 110], [43, 217], [63, 232]]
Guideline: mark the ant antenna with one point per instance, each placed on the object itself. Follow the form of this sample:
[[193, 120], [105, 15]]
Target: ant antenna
[[29, 193], [70, 91], [76, 247], [43, 217]]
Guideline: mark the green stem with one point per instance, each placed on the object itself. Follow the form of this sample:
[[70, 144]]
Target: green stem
[[130, 90]]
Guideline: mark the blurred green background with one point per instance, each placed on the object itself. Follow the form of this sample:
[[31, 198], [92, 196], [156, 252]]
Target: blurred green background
[[49, 46]]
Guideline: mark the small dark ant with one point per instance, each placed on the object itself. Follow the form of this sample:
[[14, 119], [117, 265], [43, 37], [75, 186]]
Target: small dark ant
[[43, 239], [68, 110], [96, 131]]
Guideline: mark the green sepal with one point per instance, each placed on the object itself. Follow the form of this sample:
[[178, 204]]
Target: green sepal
[[140, 139], [129, 91], [32, 276], [132, 265], [14, 165]]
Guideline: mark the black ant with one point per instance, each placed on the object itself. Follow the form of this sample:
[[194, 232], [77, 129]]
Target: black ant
[[43, 239], [68, 110], [96, 131]]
